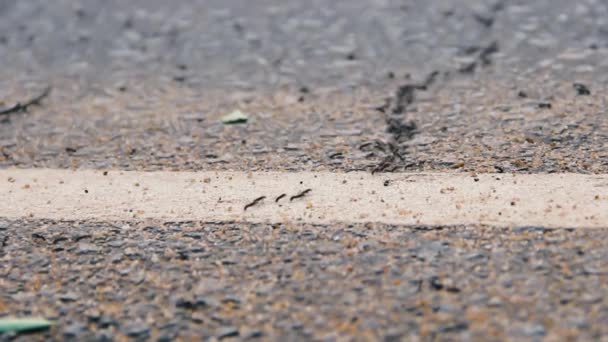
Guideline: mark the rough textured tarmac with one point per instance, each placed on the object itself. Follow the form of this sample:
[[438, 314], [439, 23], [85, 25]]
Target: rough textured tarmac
[[141, 85], [303, 282]]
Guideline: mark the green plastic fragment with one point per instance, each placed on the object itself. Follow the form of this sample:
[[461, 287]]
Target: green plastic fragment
[[23, 324], [235, 117]]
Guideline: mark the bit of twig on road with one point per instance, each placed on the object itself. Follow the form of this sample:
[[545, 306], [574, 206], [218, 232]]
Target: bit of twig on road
[[382, 146], [390, 149], [301, 194], [280, 196], [22, 107], [388, 161], [255, 201], [366, 144]]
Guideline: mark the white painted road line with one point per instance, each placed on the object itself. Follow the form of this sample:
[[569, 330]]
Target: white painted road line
[[506, 200]]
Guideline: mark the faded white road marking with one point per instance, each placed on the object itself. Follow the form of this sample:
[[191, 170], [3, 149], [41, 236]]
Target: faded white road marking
[[549, 200]]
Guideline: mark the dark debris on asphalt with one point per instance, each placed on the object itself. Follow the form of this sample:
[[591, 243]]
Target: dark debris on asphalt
[[23, 107], [199, 281]]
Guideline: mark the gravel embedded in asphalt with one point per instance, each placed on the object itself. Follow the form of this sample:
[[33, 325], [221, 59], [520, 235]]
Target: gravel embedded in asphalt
[[196, 280], [142, 85], [239, 44], [461, 125]]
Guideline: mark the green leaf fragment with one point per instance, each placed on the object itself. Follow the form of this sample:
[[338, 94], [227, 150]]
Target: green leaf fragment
[[235, 117], [23, 324]]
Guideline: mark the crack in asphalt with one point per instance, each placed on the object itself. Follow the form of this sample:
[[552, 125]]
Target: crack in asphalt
[[396, 107]]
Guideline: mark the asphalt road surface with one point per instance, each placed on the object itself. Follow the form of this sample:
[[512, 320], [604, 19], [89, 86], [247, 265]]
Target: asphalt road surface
[[389, 86]]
